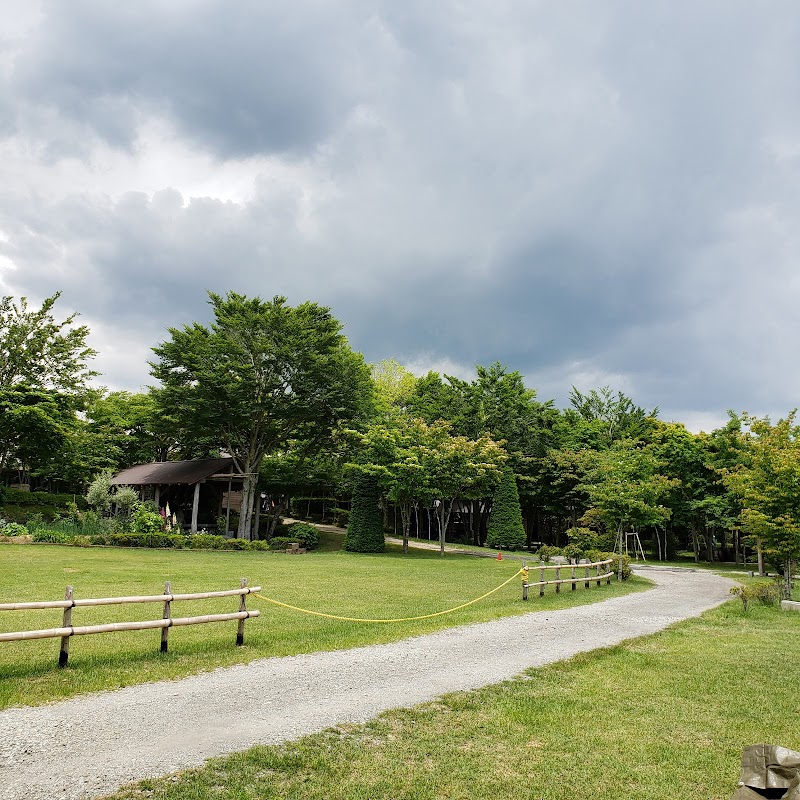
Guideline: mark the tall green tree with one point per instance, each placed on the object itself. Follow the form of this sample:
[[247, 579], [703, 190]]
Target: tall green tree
[[626, 489], [505, 529], [38, 350], [767, 483], [260, 376], [617, 416]]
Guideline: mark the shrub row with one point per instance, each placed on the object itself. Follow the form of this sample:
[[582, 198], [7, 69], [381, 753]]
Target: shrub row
[[16, 497], [303, 533]]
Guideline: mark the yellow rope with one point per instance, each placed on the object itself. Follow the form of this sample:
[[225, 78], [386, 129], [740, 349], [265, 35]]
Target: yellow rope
[[403, 619]]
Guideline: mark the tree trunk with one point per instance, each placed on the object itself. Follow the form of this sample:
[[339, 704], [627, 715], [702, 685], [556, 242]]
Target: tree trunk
[[405, 514], [787, 579], [760, 552], [246, 510]]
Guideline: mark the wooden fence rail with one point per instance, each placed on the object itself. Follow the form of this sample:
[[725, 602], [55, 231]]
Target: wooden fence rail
[[573, 578], [166, 622]]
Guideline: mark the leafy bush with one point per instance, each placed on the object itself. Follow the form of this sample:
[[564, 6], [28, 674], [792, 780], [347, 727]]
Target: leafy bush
[[305, 534], [505, 529], [146, 520], [574, 552], [258, 544], [53, 537], [765, 593], [601, 555], [280, 542], [204, 541], [235, 544], [12, 529], [581, 540], [548, 551], [155, 540], [98, 495]]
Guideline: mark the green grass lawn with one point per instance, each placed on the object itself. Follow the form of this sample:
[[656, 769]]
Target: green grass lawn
[[658, 718], [376, 586]]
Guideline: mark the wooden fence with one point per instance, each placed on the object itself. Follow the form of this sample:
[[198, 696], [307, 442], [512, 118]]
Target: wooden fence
[[587, 577], [166, 622]]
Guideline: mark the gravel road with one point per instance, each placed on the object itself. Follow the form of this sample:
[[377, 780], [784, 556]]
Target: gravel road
[[88, 746]]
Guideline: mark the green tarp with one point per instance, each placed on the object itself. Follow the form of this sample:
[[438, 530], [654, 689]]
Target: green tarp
[[769, 771]]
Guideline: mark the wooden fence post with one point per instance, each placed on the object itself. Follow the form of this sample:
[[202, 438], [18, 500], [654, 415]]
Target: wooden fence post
[[63, 655], [574, 573], [541, 581], [586, 576], [558, 578], [598, 576], [166, 615], [242, 607], [524, 581]]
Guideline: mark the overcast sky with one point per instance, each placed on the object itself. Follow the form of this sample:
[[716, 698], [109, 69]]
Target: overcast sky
[[594, 192]]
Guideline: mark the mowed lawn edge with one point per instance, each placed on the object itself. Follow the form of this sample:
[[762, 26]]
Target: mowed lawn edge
[[654, 718], [388, 585]]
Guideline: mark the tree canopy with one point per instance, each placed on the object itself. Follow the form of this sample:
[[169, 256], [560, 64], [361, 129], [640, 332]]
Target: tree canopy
[[262, 374]]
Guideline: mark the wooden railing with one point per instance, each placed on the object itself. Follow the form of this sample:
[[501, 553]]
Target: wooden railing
[[573, 578], [166, 622]]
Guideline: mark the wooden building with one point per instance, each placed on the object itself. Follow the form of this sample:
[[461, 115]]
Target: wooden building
[[198, 492]]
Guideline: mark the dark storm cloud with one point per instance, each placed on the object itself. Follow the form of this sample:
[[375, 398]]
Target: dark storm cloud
[[588, 192], [250, 78]]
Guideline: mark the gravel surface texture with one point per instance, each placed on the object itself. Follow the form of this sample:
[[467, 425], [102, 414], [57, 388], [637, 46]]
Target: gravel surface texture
[[89, 746]]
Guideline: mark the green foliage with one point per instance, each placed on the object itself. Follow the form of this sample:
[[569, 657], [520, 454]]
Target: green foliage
[[548, 551], [340, 516], [263, 377], [98, 495], [365, 527], [505, 529], [581, 540], [303, 533], [126, 500], [205, 541], [12, 529], [145, 520], [280, 542], [601, 555], [616, 416], [17, 497], [767, 593], [767, 484], [53, 537], [37, 350], [148, 539]]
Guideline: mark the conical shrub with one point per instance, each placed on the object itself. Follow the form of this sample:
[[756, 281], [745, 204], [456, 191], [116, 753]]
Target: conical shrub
[[365, 526], [505, 530]]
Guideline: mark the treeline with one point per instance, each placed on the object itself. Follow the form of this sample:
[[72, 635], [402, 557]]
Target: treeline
[[279, 389]]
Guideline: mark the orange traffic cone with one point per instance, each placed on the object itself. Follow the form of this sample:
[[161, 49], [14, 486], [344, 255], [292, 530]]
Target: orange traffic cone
[[499, 556]]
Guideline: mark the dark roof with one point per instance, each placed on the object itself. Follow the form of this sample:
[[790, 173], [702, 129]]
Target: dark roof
[[162, 472]]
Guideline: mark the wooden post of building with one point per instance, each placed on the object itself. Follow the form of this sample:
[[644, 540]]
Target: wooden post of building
[[558, 579], [63, 655], [242, 607], [574, 573], [586, 576], [166, 615], [541, 581], [195, 506]]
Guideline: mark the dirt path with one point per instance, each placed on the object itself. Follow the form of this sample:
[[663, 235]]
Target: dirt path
[[88, 746]]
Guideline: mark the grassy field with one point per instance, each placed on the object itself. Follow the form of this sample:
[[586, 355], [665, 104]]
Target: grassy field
[[658, 718], [380, 586]]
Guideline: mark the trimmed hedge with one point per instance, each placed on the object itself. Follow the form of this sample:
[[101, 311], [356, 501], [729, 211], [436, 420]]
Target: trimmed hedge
[[365, 526], [16, 497], [505, 530]]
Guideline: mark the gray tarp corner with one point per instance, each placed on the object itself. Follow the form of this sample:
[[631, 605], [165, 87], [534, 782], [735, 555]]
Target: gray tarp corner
[[769, 771]]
